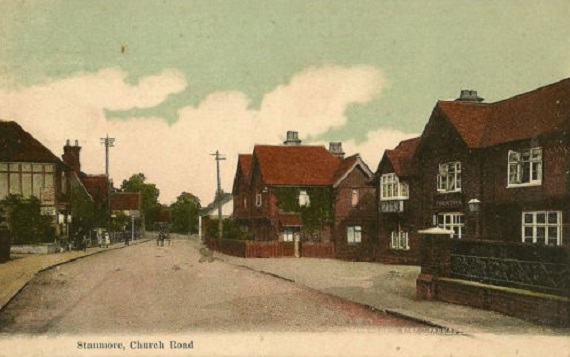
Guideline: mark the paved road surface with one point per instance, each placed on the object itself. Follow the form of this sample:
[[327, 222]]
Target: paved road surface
[[150, 289]]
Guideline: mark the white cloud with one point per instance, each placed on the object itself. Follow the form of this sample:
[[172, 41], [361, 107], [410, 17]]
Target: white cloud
[[177, 157]]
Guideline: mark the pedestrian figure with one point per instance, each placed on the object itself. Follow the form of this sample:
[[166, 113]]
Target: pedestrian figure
[[127, 240]]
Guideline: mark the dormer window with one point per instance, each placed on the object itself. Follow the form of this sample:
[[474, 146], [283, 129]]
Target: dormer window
[[525, 167], [392, 189], [449, 177], [304, 199]]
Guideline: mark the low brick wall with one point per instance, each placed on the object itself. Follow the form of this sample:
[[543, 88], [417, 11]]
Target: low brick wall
[[45, 248], [270, 249], [436, 281]]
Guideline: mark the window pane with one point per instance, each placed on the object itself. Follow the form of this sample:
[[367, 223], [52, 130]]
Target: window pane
[[3, 166], [15, 183], [37, 167], [3, 184], [48, 180], [540, 234], [26, 185], [528, 234], [48, 167], [27, 167], [528, 218], [552, 217], [38, 184], [540, 217], [14, 167]]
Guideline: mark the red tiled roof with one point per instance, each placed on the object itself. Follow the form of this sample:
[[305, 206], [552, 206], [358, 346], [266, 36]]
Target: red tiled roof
[[469, 119], [542, 111], [245, 163], [299, 165], [97, 186], [125, 201], [16, 144], [348, 165], [401, 156]]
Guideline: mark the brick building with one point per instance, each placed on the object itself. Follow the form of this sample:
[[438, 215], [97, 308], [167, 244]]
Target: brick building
[[297, 192], [28, 168], [398, 198], [498, 176], [507, 159]]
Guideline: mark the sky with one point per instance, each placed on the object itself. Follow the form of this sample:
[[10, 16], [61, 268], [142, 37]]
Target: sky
[[174, 81]]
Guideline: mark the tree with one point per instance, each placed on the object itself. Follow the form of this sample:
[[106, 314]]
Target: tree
[[184, 213], [25, 221], [149, 194]]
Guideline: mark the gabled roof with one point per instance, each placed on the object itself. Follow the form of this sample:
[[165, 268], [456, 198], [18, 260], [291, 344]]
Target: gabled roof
[[16, 144], [97, 186], [299, 165], [243, 169], [125, 201], [401, 157], [347, 166], [542, 111]]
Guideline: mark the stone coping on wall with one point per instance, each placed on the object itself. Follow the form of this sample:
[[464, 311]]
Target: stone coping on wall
[[507, 289], [41, 248]]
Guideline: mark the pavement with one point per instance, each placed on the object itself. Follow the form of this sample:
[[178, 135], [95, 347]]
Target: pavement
[[21, 268], [387, 288]]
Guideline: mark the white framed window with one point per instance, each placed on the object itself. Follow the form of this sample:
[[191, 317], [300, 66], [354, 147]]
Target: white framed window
[[26, 179], [542, 227], [449, 177], [525, 167], [304, 199], [452, 221], [391, 188], [354, 234], [258, 200], [354, 197], [288, 234], [399, 240]]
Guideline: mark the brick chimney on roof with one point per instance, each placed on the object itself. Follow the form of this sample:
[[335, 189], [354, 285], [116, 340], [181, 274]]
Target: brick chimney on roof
[[468, 95], [292, 138], [335, 148], [71, 156]]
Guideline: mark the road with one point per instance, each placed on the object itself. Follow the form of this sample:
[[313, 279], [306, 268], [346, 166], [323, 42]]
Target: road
[[150, 289]]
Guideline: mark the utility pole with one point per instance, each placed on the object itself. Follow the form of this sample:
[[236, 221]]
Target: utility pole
[[219, 157], [108, 142]]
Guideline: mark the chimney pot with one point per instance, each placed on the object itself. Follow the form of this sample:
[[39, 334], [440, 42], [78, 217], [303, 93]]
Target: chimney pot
[[335, 148], [67, 142], [76, 142], [469, 95], [292, 138]]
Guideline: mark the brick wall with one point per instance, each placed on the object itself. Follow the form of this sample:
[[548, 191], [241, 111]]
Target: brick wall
[[270, 249]]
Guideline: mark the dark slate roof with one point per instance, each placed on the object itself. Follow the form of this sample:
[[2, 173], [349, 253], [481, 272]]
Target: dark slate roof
[[16, 144], [125, 201], [299, 165], [401, 157], [542, 111]]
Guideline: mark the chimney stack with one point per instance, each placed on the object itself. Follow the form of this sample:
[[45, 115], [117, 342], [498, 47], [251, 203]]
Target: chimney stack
[[335, 148], [468, 95], [71, 155], [292, 138]]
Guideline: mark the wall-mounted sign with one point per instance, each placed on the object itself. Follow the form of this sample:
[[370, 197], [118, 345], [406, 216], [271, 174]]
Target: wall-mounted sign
[[47, 211], [448, 201], [47, 196]]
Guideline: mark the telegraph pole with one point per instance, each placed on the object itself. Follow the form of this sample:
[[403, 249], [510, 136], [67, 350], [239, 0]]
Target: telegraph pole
[[108, 142], [219, 157]]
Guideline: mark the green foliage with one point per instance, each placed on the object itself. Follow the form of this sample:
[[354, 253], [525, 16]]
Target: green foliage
[[150, 206], [118, 222], [184, 213], [230, 230], [26, 223], [317, 214]]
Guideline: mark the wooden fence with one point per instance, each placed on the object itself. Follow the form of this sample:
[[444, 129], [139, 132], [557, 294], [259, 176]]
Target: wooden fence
[[270, 249]]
